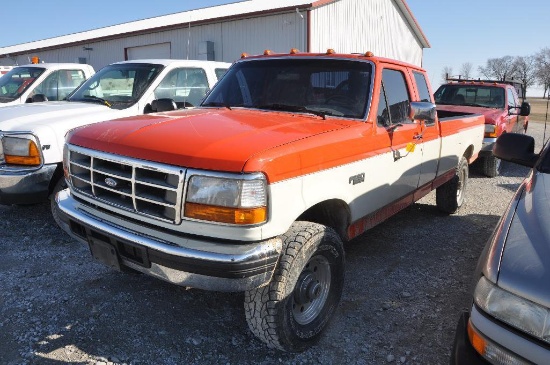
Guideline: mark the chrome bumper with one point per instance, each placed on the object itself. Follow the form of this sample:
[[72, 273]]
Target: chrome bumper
[[27, 187], [487, 146], [183, 260]]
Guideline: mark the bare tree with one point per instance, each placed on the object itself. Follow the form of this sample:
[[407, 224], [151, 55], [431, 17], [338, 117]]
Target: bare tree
[[446, 73], [466, 70], [525, 71], [542, 60], [498, 68]]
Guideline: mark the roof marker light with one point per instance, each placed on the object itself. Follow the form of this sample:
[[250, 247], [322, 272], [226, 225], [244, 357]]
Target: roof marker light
[[244, 55], [330, 51], [369, 54], [294, 50], [268, 52]]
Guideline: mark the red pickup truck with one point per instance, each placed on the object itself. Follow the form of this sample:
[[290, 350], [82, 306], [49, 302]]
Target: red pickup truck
[[498, 101], [256, 190]]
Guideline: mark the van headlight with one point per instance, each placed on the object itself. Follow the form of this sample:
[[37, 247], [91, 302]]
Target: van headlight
[[516, 311], [241, 201], [20, 150]]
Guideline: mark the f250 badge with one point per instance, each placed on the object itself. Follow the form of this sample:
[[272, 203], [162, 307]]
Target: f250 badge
[[357, 179], [111, 182]]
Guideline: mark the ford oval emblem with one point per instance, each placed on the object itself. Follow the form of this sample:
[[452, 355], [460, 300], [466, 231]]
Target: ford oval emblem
[[111, 182]]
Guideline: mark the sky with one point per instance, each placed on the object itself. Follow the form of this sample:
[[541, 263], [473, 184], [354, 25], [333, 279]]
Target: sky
[[458, 31]]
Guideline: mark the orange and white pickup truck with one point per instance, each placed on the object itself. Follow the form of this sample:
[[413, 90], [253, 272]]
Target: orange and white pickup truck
[[256, 190]]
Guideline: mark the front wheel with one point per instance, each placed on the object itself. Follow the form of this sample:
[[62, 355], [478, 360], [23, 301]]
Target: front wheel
[[450, 196], [60, 185], [490, 166], [293, 309]]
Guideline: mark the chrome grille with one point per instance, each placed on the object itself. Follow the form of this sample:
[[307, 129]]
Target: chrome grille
[[142, 187]]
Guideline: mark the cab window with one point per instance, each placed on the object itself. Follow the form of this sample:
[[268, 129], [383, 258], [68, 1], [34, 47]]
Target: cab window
[[394, 104]]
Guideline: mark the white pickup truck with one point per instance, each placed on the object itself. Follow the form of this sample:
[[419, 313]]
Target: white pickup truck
[[32, 135], [41, 82]]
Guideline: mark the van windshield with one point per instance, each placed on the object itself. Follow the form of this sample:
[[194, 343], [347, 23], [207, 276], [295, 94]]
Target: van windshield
[[325, 87], [14, 83]]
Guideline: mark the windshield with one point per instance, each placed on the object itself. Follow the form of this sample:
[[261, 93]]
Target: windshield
[[14, 83], [117, 86], [321, 86], [470, 95]]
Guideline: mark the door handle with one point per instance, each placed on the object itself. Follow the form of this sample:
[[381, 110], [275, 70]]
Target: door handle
[[417, 137]]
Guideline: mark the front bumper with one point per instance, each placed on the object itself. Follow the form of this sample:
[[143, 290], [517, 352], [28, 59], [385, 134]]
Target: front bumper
[[487, 146], [184, 260], [463, 351], [27, 187]]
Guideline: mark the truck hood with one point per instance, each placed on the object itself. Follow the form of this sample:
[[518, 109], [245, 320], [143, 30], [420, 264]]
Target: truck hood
[[212, 139], [28, 117], [491, 114], [525, 265]]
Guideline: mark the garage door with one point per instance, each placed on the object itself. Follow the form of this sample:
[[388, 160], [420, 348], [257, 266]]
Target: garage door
[[159, 50]]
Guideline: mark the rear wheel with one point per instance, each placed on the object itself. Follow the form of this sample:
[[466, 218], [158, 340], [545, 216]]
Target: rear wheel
[[291, 312], [450, 196]]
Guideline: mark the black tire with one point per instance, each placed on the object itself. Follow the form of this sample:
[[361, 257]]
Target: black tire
[[59, 185], [294, 308], [449, 197], [490, 166]]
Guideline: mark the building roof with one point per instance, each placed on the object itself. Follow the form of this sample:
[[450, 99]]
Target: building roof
[[193, 17]]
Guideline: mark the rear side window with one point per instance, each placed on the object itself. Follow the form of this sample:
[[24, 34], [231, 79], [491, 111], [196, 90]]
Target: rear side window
[[394, 101], [422, 86]]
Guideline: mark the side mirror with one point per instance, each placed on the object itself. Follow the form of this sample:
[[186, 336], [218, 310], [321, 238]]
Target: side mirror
[[163, 105], [423, 111], [516, 148], [37, 98], [524, 109]]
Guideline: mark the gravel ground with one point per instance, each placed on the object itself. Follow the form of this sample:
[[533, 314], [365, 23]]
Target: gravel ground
[[407, 280]]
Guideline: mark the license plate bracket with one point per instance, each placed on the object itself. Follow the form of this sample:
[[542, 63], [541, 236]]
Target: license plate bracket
[[105, 253]]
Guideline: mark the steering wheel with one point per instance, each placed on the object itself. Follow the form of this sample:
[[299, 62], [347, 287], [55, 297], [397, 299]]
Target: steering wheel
[[338, 99]]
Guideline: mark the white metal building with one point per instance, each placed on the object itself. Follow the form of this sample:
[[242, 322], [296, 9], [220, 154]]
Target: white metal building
[[222, 33]]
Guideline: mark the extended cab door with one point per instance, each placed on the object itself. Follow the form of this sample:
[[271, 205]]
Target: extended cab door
[[429, 134], [402, 168]]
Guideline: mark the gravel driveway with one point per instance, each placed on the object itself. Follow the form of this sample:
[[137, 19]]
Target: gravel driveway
[[406, 282]]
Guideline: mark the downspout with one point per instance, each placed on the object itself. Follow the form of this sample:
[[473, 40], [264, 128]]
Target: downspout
[[308, 31]]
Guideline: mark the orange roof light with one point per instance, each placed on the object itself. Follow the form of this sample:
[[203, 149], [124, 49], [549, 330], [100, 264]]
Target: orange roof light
[[294, 50], [369, 54], [267, 52], [244, 55], [35, 60], [330, 51]]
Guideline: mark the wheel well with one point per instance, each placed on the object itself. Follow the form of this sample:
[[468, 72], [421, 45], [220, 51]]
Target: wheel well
[[331, 213]]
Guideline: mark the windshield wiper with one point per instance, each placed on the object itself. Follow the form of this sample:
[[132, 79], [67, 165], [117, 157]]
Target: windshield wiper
[[217, 103], [294, 108], [96, 99]]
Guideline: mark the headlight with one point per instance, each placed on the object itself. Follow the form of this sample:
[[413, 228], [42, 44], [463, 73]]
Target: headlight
[[20, 151], [226, 200], [518, 312], [490, 131]]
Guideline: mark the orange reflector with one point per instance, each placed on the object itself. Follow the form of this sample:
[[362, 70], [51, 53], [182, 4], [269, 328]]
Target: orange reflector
[[267, 52], [244, 55], [33, 157], [330, 51], [225, 214], [491, 135], [369, 54], [476, 340], [294, 51]]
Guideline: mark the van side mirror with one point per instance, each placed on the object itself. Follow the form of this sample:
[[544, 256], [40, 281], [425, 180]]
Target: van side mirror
[[516, 148]]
